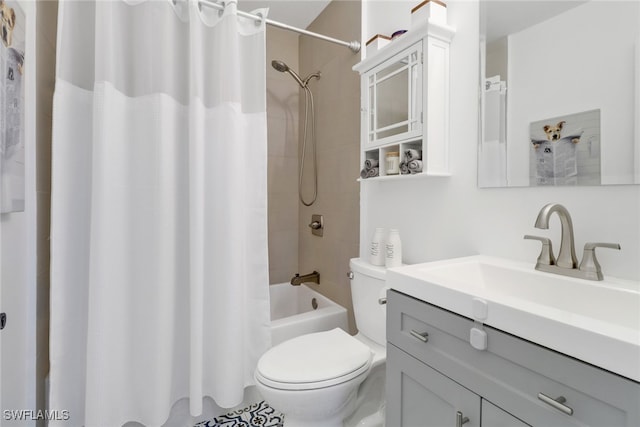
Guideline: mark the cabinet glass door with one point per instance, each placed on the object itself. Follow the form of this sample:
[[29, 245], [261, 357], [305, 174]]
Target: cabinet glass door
[[395, 97]]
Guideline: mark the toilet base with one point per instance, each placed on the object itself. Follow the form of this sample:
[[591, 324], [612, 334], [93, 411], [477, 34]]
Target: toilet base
[[325, 407], [335, 420], [365, 406]]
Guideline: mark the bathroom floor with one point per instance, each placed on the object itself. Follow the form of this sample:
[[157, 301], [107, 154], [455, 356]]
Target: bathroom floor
[[257, 415]]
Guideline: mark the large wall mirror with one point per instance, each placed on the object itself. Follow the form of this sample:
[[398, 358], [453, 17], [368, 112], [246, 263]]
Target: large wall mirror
[[560, 93]]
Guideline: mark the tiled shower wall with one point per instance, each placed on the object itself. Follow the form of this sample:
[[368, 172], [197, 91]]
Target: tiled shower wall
[[47, 24], [337, 101], [282, 123]]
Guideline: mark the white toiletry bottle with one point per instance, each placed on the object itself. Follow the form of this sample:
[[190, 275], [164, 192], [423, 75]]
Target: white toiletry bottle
[[376, 250], [393, 252]]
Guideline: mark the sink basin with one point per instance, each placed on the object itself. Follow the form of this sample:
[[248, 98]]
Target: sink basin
[[597, 322], [603, 301]]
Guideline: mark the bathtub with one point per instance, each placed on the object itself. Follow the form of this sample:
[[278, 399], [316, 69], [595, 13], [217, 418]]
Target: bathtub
[[293, 312]]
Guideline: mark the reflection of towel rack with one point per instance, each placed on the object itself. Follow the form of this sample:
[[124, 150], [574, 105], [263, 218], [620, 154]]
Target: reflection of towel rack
[[495, 111], [494, 86], [493, 155]]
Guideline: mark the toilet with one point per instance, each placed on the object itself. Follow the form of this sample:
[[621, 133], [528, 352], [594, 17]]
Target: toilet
[[330, 378]]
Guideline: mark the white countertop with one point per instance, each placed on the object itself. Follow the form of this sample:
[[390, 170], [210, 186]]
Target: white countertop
[[596, 322]]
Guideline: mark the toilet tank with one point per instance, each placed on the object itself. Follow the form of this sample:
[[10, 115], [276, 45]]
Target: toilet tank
[[367, 287]]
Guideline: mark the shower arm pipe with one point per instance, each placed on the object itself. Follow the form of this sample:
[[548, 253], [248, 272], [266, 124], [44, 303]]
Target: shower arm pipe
[[354, 46]]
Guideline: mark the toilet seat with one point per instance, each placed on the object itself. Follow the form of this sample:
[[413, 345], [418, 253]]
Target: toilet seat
[[313, 361]]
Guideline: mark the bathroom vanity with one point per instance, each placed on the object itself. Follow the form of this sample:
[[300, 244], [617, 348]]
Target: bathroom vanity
[[438, 376]]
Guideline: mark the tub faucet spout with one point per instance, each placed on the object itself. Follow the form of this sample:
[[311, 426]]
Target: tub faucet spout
[[297, 280]]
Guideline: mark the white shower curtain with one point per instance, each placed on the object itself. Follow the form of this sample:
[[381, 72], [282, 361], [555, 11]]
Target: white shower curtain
[[159, 270]]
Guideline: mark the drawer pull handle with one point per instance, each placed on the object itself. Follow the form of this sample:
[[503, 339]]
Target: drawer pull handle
[[556, 403], [460, 419], [424, 337]]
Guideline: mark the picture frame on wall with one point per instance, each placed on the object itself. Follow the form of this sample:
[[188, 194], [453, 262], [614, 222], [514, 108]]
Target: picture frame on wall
[[565, 150], [12, 107]]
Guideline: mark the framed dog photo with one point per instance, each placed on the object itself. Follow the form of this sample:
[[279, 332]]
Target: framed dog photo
[[12, 93], [565, 150]]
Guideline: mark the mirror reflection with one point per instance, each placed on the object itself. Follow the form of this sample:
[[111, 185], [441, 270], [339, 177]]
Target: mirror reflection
[[393, 107], [560, 93]]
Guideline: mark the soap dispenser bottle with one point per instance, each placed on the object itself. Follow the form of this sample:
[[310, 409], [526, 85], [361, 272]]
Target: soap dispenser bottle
[[376, 250], [393, 252]]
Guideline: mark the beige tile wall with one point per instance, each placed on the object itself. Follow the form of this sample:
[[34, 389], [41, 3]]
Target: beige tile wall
[[337, 99], [47, 13], [282, 123]]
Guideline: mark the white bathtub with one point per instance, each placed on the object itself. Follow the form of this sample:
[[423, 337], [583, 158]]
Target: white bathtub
[[292, 312]]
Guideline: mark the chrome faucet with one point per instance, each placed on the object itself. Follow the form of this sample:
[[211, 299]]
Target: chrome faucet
[[566, 263], [297, 280]]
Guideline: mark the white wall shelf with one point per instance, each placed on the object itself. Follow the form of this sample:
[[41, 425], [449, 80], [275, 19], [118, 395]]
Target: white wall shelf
[[404, 177]]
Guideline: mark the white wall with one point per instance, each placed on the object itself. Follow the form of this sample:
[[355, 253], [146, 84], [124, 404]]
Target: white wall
[[18, 268], [14, 301], [385, 17], [590, 46], [496, 61], [450, 217]]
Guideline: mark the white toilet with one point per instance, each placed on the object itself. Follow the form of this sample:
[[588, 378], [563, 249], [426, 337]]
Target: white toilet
[[321, 379]]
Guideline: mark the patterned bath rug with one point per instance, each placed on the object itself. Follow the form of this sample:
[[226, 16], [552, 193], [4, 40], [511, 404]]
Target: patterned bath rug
[[257, 415]]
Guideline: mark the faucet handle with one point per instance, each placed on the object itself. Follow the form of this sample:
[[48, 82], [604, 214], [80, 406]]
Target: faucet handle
[[315, 225], [591, 246], [589, 264], [546, 254]]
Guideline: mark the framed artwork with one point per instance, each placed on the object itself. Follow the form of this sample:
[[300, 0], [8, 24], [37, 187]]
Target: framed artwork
[[565, 150], [12, 95]]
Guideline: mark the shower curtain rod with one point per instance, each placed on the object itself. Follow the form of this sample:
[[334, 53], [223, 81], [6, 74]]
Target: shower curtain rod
[[353, 45]]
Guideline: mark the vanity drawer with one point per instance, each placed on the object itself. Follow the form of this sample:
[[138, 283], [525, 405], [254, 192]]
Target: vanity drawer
[[512, 373], [526, 377], [424, 331]]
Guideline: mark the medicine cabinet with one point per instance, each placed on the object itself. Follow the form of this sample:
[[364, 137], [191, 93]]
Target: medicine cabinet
[[405, 101]]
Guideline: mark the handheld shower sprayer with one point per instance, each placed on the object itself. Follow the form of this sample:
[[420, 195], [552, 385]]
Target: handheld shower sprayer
[[284, 68], [304, 84]]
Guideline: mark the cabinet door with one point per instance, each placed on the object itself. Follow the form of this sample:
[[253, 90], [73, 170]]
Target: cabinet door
[[492, 416], [393, 93], [419, 396]]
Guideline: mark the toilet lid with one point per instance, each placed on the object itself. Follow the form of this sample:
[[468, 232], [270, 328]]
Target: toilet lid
[[314, 360]]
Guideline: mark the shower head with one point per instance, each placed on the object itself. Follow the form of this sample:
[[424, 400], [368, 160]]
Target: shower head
[[284, 68], [279, 65]]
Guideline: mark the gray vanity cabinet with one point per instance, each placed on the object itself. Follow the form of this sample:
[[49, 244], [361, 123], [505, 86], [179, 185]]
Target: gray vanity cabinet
[[433, 373]]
